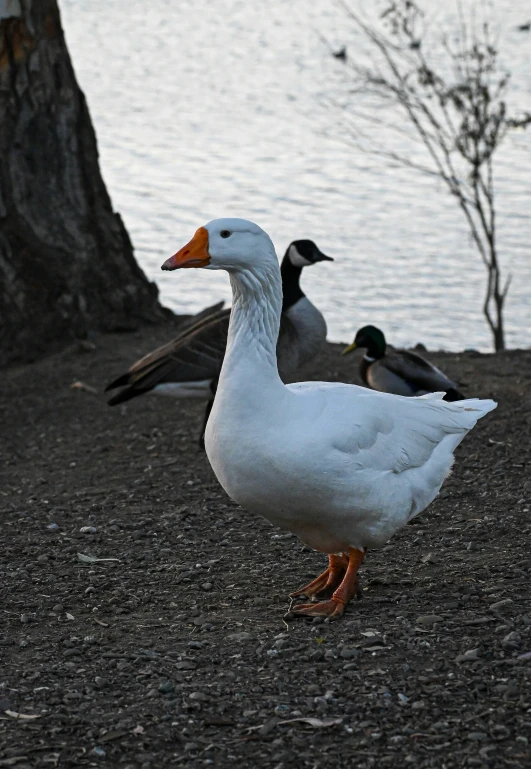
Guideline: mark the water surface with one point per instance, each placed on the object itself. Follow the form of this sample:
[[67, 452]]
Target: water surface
[[208, 108]]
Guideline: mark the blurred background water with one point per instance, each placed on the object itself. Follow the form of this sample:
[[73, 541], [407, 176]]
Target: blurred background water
[[208, 108]]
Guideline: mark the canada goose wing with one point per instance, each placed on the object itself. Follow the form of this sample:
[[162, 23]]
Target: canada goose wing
[[195, 355]]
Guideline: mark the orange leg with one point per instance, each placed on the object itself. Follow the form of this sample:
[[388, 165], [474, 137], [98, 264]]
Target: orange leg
[[334, 608], [328, 580]]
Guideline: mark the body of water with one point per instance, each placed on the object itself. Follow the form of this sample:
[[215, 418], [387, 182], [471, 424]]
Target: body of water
[[209, 108]]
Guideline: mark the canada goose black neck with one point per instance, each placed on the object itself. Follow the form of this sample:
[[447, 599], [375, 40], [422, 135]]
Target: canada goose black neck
[[291, 290]]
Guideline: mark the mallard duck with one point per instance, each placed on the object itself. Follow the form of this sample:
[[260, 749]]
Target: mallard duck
[[341, 466], [189, 365], [399, 371]]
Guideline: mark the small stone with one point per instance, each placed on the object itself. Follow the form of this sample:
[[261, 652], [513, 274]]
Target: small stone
[[58, 608], [98, 752], [151, 693], [512, 640], [468, 656], [198, 697], [348, 654], [189, 746], [501, 604], [100, 682], [90, 589], [427, 620], [207, 586], [186, 665], [167, 687], [477, 736], [418, 705], [88, 530], [53, 527], [239, 637], [282, 710]]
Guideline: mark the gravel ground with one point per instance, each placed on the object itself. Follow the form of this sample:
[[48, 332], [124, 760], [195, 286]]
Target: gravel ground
[[174, 651]]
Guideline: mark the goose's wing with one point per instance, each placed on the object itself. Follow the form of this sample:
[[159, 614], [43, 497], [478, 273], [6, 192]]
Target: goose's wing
[[386, 432], [420, 374], [195, 355]]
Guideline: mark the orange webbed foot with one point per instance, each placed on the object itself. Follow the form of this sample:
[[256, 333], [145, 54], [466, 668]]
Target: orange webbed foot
[[324, 585], [331, 610], [343, 582]]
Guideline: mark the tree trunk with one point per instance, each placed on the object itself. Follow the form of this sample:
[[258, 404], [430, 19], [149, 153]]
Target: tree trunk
[[66, 262]]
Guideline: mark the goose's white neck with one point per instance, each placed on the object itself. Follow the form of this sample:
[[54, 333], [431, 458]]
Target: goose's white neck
[[254, 323]]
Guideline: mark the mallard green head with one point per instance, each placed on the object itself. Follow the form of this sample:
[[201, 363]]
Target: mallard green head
[[371, 339]]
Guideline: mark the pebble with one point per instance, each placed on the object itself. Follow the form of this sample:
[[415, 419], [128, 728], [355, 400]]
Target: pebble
[[100, 682], [239, 637], [512, 640], [53, 527], [468, 656], [321, 704], [190, 746], [350, 666], [167, 687], [478, 736], [348, 654], [88, 530], [501, 604], [186, 665], [199, 697], [427, 620], [98, 752], [207, 586]]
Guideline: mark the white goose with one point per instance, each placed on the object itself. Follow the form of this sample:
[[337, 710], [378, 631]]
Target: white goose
[[341, 466]]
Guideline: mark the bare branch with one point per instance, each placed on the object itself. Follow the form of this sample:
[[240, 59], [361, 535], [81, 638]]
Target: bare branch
[[456, 108]]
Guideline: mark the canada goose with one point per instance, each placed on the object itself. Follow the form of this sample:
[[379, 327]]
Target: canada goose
[[189, 365]]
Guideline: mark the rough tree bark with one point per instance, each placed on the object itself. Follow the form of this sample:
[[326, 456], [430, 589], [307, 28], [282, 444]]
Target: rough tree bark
[[66, 261]]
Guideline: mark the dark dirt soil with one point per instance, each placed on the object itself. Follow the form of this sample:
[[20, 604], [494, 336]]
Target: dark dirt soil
[[176, 653]]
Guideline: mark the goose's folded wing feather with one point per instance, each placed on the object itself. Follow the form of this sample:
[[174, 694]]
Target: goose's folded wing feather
[[195, 354], [388, 432], [417, 371]]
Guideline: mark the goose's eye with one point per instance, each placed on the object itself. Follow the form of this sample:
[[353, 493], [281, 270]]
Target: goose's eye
[[225, 233]]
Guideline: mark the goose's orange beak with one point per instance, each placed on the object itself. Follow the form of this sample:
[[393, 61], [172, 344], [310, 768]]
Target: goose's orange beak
[[194, 254]]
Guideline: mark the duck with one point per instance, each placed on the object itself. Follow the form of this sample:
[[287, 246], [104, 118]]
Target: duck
[[188, 366], [341, 466], [398, 371]]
